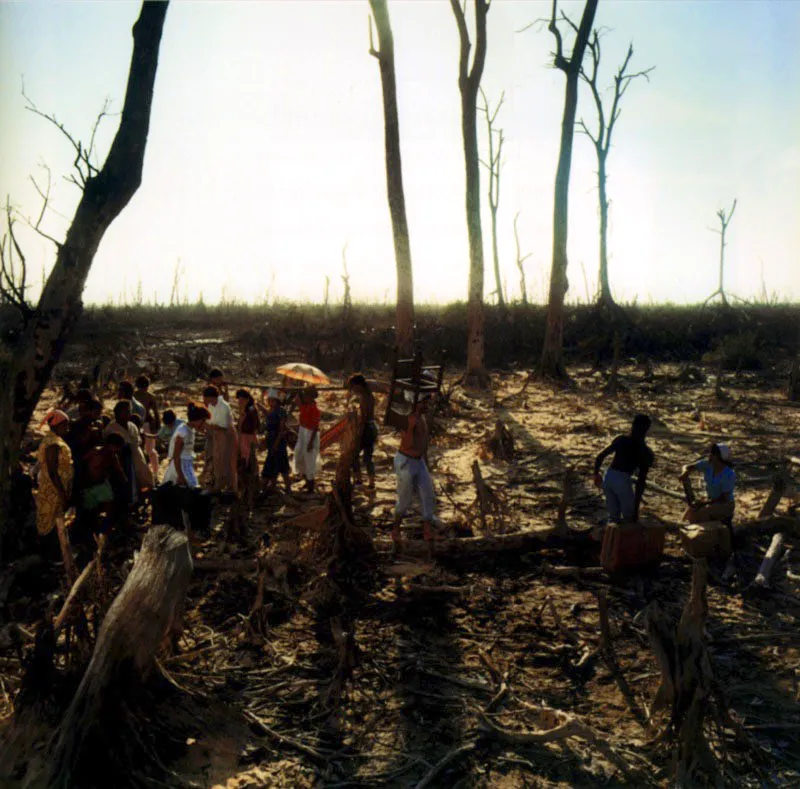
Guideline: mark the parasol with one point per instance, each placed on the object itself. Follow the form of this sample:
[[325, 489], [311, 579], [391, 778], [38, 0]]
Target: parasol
[[304, 372]]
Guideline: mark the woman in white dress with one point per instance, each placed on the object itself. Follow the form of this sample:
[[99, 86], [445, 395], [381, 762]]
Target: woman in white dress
[[180, 469]]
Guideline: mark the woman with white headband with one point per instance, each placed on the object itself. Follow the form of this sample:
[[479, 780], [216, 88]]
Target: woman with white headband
[[720, 479]]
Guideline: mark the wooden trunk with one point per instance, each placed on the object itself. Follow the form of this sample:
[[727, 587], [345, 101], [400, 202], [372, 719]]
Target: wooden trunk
[[146, 610], [705, 540]]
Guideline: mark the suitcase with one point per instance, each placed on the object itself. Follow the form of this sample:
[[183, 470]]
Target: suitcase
[[632, 546], [704, 540]]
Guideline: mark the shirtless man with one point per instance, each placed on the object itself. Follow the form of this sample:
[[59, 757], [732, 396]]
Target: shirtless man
[[359, 389], [411, 468]]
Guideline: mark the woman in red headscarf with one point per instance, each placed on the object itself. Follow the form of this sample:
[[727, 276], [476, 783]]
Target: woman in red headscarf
[[55, 473], [55, 486]]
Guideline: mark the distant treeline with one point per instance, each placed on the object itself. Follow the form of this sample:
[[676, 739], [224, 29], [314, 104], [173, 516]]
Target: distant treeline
[[747, 337]]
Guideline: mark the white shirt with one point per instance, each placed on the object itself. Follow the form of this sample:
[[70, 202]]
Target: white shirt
[[221, 415], [187, 434]]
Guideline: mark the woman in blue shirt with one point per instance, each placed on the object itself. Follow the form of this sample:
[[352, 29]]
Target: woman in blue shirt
[[720, 479]]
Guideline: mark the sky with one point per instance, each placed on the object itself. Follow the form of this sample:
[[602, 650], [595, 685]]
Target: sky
[[266, 155]]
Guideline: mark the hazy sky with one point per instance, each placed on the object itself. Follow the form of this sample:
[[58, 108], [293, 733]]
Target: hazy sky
[[266, 154]]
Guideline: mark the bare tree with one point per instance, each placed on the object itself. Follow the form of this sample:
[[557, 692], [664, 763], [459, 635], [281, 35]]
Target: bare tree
[[552, 362], [105, 193], [724, 221], [347, 302], [493, 165], [469, 80], [521, 263], [601, 139], [404, 328]]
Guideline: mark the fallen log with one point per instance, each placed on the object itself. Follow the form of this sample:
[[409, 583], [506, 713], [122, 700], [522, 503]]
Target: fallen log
[[73, 593], [776, 523], [770, 560], [515, 542], [146, 610], [224, 565]]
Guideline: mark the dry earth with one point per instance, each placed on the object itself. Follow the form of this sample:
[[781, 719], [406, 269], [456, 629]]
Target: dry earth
[[254, 706]]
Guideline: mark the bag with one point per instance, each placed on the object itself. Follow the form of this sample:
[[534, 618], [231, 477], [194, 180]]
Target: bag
[[632, 546]]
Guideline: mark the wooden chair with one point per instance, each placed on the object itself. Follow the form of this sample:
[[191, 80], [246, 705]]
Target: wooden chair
[[414, 377]]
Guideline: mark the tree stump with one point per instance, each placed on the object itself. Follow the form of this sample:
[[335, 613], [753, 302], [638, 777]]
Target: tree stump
[[687, 681], [147, 610], [794, 380], [501, 443]]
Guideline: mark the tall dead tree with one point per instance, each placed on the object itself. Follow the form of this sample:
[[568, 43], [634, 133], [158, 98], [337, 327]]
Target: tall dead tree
[[601, 139], [105, 193], [724, 221], [552, 361], [493, 165], [404, 321], [469, 81], [521, 263]]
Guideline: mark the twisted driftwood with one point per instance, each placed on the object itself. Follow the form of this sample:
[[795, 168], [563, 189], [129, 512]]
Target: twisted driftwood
[[146, 610]]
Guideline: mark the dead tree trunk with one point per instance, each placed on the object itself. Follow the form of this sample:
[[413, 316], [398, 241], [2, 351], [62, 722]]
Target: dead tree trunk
[[724, 221], [404, 328], [552, 361], [469, 80], [601, 140], [106, 192], [493, 165], [523, 287], [687, 681], [794, 380], [146, 610]]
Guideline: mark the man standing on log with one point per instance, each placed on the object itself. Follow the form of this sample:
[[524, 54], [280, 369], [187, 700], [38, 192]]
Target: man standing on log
[[411, 468], [630, 453]]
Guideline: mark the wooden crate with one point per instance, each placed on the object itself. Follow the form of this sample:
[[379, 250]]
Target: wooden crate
[[632, 546], [703, 540]]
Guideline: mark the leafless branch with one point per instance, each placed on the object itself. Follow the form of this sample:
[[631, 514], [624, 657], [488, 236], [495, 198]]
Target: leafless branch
[[13, 277], [463, 37], [45, 195], [622, 79], [559, 61], [83, 164], [372, 51], [585, 129], [104, 113]]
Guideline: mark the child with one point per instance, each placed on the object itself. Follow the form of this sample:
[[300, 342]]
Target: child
[[151, 422], [630, 453], [306, 450], [277, 461]]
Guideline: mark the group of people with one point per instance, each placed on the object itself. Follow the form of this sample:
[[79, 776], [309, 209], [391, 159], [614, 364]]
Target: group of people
[[630, 452], [105, 465]]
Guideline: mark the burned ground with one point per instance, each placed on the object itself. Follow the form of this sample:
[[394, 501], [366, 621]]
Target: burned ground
[[443, 647]]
